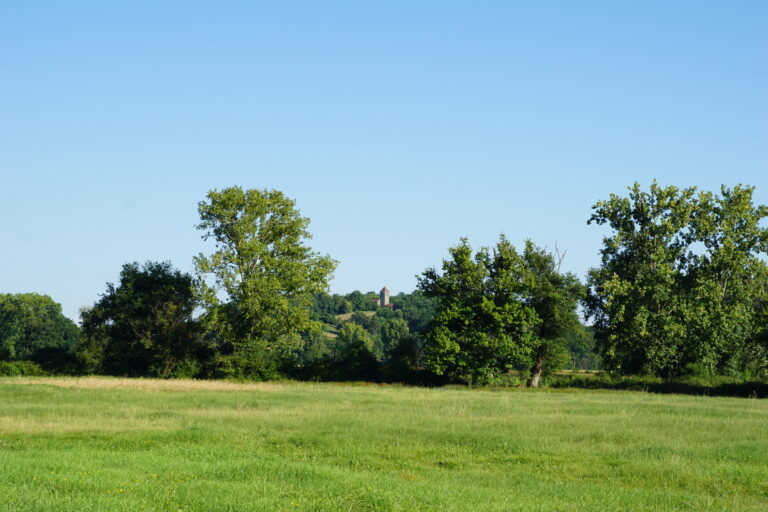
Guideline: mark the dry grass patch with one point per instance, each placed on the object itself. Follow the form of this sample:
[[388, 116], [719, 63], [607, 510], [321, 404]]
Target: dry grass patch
[[145, 384], [79, 424], [346, 316]]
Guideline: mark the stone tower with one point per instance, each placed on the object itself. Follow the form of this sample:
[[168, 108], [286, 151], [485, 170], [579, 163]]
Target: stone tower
[[384, 297]]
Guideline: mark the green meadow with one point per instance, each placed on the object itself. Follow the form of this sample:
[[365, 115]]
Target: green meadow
[[101, 444]]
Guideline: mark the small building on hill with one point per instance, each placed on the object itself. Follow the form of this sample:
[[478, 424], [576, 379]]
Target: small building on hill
[[384, 298]]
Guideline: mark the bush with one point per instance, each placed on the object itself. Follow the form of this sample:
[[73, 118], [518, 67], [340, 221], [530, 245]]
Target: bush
[[509, 379], [20, 369]]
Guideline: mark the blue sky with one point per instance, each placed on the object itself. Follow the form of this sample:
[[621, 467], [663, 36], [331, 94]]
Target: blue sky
[[398, 127]]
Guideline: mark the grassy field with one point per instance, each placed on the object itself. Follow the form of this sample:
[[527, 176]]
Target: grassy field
[[102, 444]]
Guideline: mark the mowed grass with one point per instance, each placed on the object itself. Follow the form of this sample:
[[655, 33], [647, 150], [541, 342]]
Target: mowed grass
[[141, 445]]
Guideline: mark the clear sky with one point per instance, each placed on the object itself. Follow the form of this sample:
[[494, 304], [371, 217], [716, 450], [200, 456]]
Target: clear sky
[[398, 127]]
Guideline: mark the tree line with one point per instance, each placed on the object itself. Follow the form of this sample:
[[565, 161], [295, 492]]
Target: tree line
[[682, 287]]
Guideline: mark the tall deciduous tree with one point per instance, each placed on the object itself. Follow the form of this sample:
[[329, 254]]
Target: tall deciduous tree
[[262, 276], [679, 279], [554, 296], [729, 280]]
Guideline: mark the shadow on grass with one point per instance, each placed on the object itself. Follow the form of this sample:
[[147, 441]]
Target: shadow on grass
[[717, 386]]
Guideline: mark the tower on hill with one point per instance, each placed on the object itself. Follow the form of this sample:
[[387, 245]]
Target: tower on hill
[[384, 298]]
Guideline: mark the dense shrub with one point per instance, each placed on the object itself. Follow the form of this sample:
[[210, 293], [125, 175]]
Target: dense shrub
[[20, 369]]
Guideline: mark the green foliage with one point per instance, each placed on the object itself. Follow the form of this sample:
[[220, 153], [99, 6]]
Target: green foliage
[[481, 326], [20, 369], [353, 354], [362, 301], [680, 278], [325, 307], [267, 276], [33, 328], [316, 348], [554, 297], [392, 330], [143, 326], [368, 322], [416, 308], [682, 292], [509, 380], [402, 362], [365, 346], [729, 280], [499, 310], [348, 356], [372, 325], [581, 347], [757, 367]]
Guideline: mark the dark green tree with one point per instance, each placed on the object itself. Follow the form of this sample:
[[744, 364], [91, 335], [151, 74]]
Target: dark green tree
[[581, 348], [416, 308], [554, 296], [325, 307], [391, 332], [362, 301], [343, 357], [354, 353], [33, 328], [144, 325], [368, 322], [402, 363]]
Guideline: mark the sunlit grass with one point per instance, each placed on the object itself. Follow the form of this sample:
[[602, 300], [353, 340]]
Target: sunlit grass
[[91, 382], [144, 445]]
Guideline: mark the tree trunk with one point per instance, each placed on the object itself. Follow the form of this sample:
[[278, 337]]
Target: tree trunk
[[536, 371]]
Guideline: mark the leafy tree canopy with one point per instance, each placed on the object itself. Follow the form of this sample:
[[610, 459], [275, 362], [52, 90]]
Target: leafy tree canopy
[[417, 309], [680, 277], [353, 355], [143, 326], [259, 283], [554, 296], [498, 309], [32, 327], [481, 325]]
